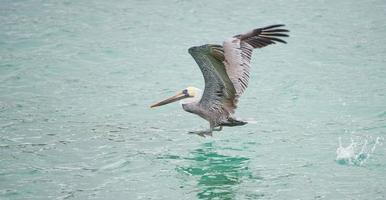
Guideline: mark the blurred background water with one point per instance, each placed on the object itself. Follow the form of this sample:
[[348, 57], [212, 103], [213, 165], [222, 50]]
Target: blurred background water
[[77, 78]]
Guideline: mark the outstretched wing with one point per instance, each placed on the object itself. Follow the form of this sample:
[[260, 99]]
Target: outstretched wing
[[238, 53], [226, 68], [219, 93]]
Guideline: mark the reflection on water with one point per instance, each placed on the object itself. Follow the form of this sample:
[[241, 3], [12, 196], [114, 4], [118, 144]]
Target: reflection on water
[[218, 175]]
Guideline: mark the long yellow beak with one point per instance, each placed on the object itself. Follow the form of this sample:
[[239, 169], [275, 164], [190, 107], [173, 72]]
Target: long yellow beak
[[172, 99]]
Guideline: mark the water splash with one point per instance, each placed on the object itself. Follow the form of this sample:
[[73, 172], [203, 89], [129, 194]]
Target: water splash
[[349, 156]]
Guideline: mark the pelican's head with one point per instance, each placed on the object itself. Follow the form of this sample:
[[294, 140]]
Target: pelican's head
[[188, 95]]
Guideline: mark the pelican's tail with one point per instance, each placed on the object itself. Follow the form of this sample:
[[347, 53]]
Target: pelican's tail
[[233, 122]]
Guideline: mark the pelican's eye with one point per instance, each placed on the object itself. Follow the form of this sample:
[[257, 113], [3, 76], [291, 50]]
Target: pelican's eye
[[185, 92]]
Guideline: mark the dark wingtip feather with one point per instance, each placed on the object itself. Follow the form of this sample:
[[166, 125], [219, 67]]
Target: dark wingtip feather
[[265, 36], [274, 39], [274, 34], [272, 26], [277, 30]]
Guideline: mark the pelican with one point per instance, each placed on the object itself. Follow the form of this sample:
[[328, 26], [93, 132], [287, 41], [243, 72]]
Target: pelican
[[226, 73]]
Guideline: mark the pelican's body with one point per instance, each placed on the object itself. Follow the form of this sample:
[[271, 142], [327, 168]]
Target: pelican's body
[[226, 72]]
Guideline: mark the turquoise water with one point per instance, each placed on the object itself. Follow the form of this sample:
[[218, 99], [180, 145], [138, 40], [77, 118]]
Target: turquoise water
[[77, 79]]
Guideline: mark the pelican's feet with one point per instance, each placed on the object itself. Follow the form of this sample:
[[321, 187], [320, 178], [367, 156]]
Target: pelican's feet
[[218, 129], [202, 133]]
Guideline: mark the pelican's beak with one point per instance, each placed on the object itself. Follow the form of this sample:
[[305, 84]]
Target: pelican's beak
[[172, 99]]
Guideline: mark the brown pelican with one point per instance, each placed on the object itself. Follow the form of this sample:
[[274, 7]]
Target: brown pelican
[[226, 74]]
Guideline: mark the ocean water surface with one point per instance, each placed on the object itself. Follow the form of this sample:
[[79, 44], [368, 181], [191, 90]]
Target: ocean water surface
[[77, 79]]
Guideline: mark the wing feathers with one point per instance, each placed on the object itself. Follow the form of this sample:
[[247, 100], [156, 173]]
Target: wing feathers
[[238, 52], [219, 93]]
